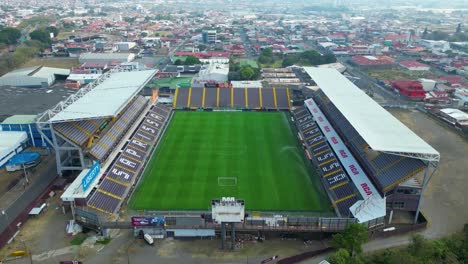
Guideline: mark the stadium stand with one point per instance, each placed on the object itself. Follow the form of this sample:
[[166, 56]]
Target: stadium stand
[[196, 98], [210, 98], [104, 146], [250, 98], [79, 132], [239, 98], [268, 99], [128, 165], [385, 169], [334, 179], [224, 97]]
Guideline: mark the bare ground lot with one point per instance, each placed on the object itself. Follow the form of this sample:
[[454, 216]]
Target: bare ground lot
[[58, 62], [445, 201]]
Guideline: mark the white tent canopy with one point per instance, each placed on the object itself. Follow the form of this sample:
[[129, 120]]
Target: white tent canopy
[[381, 130]]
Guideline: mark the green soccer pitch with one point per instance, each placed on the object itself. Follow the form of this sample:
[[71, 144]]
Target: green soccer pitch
[[248, 155]]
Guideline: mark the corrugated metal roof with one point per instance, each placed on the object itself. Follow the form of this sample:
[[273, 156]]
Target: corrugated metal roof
[[108, 98], [381, 130]]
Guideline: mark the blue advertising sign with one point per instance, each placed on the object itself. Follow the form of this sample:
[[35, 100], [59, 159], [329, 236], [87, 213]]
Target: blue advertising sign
[[147, 220], [91, 175]]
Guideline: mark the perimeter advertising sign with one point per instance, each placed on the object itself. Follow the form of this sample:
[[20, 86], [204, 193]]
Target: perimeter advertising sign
[[147, 220], [91, 175]]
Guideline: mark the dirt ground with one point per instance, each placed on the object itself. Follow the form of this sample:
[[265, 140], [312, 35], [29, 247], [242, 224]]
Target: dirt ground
[[445, 201], [65, 63]]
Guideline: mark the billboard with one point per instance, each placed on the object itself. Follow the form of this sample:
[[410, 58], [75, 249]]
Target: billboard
[[147, 220], [91, 175]]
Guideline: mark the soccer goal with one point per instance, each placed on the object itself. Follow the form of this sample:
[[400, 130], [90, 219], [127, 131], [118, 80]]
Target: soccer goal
[[227, 181]]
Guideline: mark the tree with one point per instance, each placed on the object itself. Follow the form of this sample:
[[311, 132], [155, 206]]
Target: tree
[[178, 62], [340, 257], [268, 52], [290, 60], [54, 30], [458, 30], [41, 35], [201, 47], [247, 73], [424, 34], [191, 60], [9, 35], [108, 25], [143, 34], [351, 238]]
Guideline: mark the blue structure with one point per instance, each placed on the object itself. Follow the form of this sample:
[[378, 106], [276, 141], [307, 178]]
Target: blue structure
[[24, 158], [27, 124]]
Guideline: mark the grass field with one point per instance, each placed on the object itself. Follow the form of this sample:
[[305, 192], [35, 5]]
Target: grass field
[[260, 150]]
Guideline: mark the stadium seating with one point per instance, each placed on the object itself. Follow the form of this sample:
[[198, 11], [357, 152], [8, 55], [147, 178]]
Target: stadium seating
[[252, 98], [129, 164], [79, 132], [334, 179], [387, 170], [104, 146]]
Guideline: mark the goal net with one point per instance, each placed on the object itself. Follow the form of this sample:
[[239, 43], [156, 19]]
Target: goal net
[[227, 181]]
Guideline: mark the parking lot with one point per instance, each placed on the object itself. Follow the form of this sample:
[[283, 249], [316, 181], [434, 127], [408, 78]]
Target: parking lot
[[29, 101]]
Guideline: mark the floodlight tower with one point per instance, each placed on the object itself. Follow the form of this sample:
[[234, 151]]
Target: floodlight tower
[[228, 211]]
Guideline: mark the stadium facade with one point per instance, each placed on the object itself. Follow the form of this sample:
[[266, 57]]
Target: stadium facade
[[369, 163], [397, 162]]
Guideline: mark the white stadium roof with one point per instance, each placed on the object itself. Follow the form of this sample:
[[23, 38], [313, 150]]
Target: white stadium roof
[[381, 130], [107, 98]]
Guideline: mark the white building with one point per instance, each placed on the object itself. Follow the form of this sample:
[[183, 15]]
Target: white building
[[124, 46], [212, 73], [106, 57], [37, 76], [440, 45]]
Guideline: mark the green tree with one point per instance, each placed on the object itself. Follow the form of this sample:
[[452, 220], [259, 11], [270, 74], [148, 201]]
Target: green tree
[[247, 73], [290, 60], [340, 257], [192, 60], [41, 36], [351, 238], [458, 30], [178, 62], [9, 35], [264, 59], [54, 30], [268, 52], [201, 47]]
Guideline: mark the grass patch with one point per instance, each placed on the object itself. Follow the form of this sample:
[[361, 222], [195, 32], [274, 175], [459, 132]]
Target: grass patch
[[247, 62], [78, 239], [65, 63], [275, 64], [103, 241], [260, 150], [170, 82], [398, 74]]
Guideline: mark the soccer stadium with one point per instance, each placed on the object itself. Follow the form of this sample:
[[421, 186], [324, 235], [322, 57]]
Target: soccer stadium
[[239, 156]]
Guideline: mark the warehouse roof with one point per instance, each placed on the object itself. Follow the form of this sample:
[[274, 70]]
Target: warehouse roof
[[36, 71], [381, 130], [108, 98], [20, 119]]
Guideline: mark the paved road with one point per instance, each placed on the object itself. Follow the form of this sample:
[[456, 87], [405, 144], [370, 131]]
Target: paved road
[[35, 189]]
